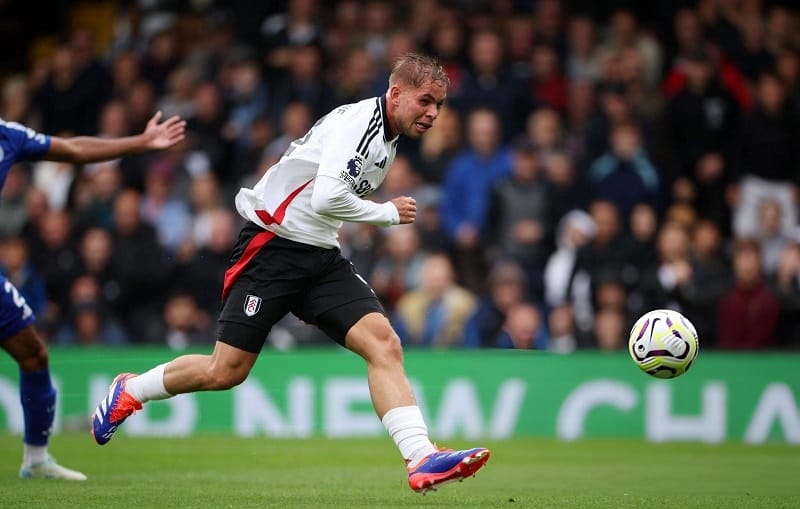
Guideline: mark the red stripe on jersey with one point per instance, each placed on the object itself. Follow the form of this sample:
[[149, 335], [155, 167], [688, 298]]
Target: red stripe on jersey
[[259, 240], [234, 271], [280, 212]]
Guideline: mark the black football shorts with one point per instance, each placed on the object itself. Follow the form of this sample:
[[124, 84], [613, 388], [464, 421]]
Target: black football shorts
[[270, 276]]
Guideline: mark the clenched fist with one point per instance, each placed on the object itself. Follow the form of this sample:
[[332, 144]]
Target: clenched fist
[[407, 208]]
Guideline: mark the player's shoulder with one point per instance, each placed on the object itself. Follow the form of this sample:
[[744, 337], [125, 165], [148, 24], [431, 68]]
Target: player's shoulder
[[17, 130], [358, 112]]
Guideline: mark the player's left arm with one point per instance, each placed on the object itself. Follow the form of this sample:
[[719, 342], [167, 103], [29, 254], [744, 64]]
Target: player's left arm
[[343, 158], [331, 197], [87, 149]]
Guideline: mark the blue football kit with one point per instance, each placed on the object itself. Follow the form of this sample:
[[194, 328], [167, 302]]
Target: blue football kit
[[17, 143]]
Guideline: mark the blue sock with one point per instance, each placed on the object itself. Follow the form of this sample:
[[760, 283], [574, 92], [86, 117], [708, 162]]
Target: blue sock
[[38, 398]]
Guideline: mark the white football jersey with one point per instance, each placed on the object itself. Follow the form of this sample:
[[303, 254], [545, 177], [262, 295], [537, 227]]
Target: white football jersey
[[353, 144]]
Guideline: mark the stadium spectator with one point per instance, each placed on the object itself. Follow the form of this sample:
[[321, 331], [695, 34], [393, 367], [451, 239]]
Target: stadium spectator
[[163, 210], [140, 263], [89, 325], [561, 327], [398, 269], [523, 329], [575, 230], [88, 320], [489, 84], [606, 254], [785, 283], [610, 327], [68, 100], [506, 288], [54, 254], [625, 175], [748, 313], [545, 131], [95, 260], [296, 120], [567, 188], [701, 118], [466, 191], [185, 324], [548, 84], [581, 60], [357, 73], [520, 220], [433, 314], [304, 81], [771, 235], [14, 212], [766, 163], [440, 146]]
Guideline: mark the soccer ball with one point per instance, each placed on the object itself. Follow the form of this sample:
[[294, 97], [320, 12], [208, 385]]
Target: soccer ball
[[663, 343]]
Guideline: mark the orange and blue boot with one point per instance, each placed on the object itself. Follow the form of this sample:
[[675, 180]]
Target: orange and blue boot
[[446, 466], [112, 411]]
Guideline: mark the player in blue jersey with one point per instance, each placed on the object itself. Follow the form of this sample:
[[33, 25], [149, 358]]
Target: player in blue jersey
[[17, 334]]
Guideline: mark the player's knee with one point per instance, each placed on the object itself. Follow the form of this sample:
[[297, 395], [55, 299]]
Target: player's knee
[[386, 347], [38, 360], [222, 379]]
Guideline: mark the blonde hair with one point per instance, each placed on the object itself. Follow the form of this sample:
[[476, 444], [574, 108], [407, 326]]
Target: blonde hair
[[415, 69]]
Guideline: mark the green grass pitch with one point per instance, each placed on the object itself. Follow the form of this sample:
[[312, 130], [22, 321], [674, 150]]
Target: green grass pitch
[[225, 472]]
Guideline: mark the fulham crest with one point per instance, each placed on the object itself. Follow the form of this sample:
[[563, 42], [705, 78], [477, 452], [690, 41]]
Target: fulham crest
[[251, 305]]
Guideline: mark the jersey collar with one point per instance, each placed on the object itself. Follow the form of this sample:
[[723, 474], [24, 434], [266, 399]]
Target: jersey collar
[[387, 130]]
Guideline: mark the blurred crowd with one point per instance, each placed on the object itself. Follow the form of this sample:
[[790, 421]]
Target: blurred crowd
[[594, 160]]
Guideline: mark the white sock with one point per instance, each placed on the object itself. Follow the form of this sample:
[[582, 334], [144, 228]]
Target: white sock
[[407, 428], [149, 385], [34, 454]]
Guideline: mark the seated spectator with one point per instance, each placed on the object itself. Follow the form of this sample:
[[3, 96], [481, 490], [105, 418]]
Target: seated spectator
[[13, 212], [520, 219], [507, 286], [142, 266], [440, 145], [625, 175], [561, 326], [466, 191], [88, 324], [607, 253], [748, 314], [163, 209], [710, 278], [399, 269], [643, 224], [185, 324], [785, 283], [548, 83], [523, 328], [610, 329], [771, 235], [575, 230], [489, 83], [434, 314], [545, 131]]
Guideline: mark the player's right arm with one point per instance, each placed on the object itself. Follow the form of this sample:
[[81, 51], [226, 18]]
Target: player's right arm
[[88, 149]]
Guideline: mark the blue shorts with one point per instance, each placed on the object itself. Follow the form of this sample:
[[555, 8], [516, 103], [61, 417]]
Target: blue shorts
[[15, 314]]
